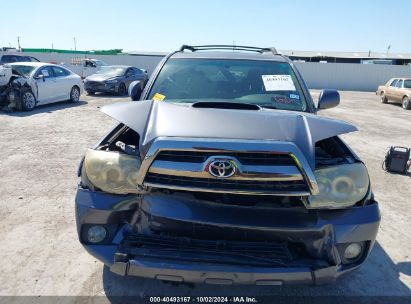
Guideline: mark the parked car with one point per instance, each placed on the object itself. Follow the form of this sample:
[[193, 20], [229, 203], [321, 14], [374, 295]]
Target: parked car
[[85, 66], [37, 83], [222, 173], [10, 58], [114, 79], [93, 63], [397, 90]]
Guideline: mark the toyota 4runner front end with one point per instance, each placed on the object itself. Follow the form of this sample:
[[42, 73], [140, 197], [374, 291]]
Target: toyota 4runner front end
[[223, 174]]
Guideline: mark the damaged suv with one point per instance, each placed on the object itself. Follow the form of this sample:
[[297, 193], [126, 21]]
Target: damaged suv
[[222, 174]]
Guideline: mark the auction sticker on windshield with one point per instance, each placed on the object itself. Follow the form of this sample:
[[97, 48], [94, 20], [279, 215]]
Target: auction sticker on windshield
[[158, 97], [278, 82]]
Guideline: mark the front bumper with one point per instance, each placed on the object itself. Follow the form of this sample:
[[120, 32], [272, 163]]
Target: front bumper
[[320, 232], [103, 87], [177, 271]]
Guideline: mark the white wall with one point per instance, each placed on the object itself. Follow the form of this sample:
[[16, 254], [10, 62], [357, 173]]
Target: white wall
[[349, 76], [145, 62], [340, 76]]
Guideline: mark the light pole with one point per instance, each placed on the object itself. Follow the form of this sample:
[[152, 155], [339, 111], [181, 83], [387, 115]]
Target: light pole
[[75, 47], [388, 48]]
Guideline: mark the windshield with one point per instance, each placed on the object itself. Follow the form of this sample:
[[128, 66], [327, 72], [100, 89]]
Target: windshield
[[99, 62], [264, 83], [111, 71], [407, 83], [23, 70]]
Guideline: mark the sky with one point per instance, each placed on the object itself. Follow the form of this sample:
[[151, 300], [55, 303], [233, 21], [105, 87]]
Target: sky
[[164, 25]]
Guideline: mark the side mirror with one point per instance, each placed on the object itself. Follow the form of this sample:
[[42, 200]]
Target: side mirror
[[135, 89], [328, 99], [38, 77]]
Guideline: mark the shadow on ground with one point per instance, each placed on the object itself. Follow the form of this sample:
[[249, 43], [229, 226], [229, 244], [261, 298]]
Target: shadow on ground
[[379, 276], [47, 108], [107, 95]]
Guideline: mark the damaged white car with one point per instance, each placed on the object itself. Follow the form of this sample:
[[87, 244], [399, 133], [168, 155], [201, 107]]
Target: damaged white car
[[25, 85]]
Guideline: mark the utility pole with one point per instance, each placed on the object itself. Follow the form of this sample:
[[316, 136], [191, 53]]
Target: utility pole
[[75, 47], [18, 42], [388, 48]]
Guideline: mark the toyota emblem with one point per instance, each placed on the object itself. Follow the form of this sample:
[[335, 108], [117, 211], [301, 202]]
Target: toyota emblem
[[222, 168]]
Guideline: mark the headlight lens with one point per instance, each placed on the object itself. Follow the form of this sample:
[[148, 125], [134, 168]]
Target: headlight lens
[[111, 171], [112, 81], [340, 186]]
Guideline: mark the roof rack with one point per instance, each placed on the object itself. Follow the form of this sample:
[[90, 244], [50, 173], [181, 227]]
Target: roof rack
[[195, 48]]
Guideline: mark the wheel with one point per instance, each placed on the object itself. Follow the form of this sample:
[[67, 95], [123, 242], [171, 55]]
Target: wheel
[[28, 101], [406, 104], [122, 90], [383, 98], [91, 92], [75, 94]]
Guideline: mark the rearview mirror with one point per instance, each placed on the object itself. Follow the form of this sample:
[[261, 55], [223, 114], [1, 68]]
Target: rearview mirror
[[328, 99], [135, 89]]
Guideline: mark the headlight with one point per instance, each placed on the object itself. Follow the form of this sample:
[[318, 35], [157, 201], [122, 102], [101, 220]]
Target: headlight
[[111, 81], [340, 186], [111, 171]]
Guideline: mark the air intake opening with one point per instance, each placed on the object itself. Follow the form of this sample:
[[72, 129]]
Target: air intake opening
[[226, 105]]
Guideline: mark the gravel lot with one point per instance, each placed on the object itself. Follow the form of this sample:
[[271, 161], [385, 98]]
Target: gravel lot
[[38, 242]]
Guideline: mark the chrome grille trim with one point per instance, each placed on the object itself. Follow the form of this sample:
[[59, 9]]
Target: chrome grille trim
[[223, 146], [251, 158], [280, 188], [197, 170]]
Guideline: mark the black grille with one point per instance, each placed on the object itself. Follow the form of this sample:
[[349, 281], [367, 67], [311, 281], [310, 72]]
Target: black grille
[[252, 159], [206, 250], [94, 84], [226, 184]]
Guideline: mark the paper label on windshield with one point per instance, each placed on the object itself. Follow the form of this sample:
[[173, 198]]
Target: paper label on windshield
[[278, 82], [158, 97]]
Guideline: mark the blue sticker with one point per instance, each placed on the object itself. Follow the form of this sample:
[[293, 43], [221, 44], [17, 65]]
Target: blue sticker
[[295, 96]]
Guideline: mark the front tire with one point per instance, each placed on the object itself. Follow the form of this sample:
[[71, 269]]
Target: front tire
[[75, 94], [122, 90], [28, 101], [383, 98], [406, 104]]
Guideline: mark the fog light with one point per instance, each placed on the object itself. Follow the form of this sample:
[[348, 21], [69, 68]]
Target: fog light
[[12, 97], [96, 234], [352, 251]]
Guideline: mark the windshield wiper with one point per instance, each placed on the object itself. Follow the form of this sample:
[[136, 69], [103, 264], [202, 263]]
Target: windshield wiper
[[269, 107]]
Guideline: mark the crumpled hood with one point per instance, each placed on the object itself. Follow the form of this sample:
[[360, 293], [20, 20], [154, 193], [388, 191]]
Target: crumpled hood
[[152, 119], [99, 77]]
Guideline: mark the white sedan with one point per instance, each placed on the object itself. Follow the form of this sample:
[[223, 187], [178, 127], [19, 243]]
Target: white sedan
[[48, 82]]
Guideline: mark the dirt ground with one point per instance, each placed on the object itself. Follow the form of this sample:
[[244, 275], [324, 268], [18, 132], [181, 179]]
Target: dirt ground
[[39, 250]]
